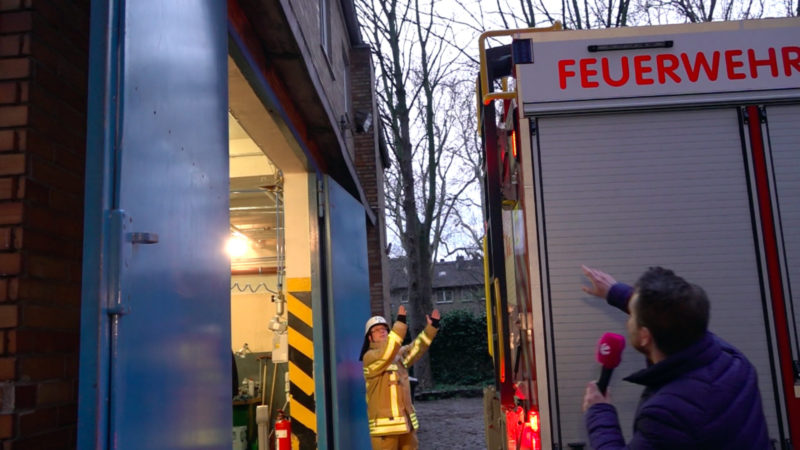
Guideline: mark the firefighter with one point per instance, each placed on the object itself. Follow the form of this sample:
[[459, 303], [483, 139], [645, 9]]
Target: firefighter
[[392, 419]]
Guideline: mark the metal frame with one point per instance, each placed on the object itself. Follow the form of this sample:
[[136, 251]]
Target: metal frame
[[93, 384]]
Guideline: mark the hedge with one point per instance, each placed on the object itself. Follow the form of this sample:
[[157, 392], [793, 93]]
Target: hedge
[[459, 355]]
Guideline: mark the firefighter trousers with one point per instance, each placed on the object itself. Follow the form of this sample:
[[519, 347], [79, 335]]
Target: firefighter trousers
[[407, 441]]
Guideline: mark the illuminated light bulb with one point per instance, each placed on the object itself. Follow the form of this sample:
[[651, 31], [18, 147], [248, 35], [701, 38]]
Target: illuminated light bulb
[[237, 246]]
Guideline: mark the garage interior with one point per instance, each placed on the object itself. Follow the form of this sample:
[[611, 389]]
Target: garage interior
[[269, 188]]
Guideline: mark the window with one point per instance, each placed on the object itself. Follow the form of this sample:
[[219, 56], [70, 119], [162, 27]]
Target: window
[[346, 80], [444, 296], [325, 25], [471, 294], [404, 298]]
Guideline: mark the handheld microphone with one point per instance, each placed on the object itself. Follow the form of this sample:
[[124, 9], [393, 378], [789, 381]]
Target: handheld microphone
[[609, 354]]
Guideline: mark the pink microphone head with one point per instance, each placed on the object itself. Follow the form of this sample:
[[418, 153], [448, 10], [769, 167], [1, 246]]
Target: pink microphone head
[[609, 350]]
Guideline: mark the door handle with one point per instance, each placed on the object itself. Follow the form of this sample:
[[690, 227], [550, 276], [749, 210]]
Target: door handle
[[140, 237]]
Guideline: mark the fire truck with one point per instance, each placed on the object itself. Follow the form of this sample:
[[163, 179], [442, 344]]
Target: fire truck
[[674, 146]]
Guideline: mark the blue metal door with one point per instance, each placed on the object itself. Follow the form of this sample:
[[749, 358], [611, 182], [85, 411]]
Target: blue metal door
[[348, 311], [155, 334]]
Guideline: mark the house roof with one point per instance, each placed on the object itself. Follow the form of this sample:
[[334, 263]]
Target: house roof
[[461, 272]]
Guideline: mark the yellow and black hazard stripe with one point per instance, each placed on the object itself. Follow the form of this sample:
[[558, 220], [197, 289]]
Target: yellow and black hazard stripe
[[301, 362]]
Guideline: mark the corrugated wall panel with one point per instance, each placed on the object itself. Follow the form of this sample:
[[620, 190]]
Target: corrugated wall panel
[[625, 191], [784, 136]]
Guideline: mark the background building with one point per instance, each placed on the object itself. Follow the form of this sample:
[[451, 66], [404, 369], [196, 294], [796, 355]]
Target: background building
[[457, 285]]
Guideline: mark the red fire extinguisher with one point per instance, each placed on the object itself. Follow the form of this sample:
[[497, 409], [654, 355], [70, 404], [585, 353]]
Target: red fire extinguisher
[[283, 432]]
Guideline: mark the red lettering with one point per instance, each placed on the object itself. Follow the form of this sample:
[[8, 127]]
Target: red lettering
[[639, 69], [732, 65], [791, 59], [771, 61], [563, 73], [586, 72], [607, 73], [700, 62], [666, 63]]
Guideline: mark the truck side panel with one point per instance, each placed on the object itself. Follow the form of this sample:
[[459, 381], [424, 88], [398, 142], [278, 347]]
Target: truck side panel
[[784, 140], [624, 191]]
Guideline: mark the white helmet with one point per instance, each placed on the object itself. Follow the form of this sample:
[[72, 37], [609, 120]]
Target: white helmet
[[374, 320]]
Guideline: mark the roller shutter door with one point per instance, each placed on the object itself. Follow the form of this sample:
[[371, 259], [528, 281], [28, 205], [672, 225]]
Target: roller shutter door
[[784, 140], [626, 191]]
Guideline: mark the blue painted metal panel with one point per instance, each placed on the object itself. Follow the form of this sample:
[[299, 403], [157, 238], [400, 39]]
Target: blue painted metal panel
[[348, 310], [156, 318], [101, 137]]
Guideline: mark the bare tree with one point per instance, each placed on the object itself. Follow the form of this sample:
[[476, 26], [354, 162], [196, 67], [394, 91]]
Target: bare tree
[[423, 190], [573, 14], [697, 11], [465, 146]]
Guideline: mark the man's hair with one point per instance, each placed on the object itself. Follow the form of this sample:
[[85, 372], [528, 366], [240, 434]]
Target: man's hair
[[675, 311]]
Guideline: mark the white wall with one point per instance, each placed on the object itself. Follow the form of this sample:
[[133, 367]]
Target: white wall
[[251, 312], [298, 239]]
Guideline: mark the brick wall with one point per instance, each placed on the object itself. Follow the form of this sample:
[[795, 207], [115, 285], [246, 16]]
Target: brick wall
[[370, 172], [43, 70]]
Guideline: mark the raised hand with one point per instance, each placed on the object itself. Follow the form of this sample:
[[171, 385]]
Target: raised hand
[[401, 310], [435, 314], [601, 282]]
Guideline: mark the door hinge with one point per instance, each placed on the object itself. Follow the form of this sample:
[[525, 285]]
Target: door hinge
[[118, 222], [320, 198], [762, 114]]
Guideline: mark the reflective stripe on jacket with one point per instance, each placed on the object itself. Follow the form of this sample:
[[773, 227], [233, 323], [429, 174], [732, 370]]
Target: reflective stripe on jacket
[[389, 407]]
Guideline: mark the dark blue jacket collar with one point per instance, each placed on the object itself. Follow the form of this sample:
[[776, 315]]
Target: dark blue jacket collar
[[699, 354]]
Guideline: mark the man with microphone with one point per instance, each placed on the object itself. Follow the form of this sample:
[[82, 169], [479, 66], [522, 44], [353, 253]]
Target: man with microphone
[[699, 391]]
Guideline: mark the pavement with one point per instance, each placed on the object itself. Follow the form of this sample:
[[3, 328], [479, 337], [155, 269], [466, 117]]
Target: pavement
[[451, 424]]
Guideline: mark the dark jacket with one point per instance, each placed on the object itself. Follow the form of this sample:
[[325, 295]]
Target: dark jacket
[[703, 397]]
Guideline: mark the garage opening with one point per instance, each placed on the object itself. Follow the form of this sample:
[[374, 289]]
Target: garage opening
[[270, 261]]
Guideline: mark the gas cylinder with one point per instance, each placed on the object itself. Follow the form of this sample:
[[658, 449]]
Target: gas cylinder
[[283, 432]]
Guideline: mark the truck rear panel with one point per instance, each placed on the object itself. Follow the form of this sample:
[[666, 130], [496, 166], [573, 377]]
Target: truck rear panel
[[675, 146]]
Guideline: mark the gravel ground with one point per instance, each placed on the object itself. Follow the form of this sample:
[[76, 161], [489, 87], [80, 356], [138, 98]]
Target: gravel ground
[[451, 424]]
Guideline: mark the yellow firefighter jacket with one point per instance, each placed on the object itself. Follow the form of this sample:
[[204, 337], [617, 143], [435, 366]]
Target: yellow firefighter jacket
[[389, 407]]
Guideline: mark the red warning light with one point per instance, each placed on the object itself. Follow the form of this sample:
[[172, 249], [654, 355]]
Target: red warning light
[[533, 419], [530, 433]]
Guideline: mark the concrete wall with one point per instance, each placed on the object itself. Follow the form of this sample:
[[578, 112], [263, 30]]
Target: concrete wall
[[332, 67]]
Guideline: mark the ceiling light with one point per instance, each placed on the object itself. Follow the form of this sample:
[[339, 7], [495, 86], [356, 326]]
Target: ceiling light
[[237, 246]]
